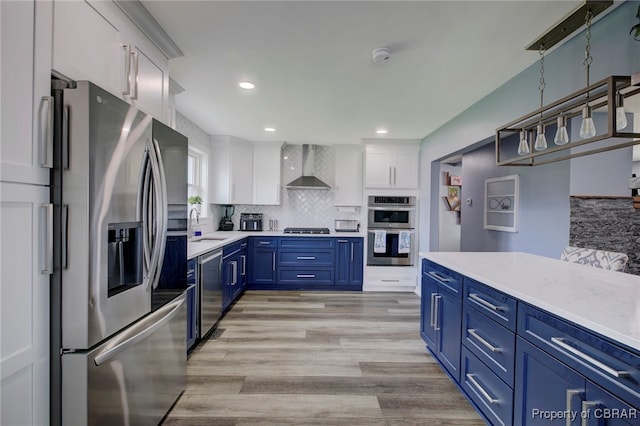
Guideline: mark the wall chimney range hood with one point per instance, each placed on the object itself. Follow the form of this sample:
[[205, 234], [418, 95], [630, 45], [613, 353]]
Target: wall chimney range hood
[[308, 180]]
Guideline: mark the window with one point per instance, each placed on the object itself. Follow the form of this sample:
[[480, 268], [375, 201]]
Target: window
[[197, 177]]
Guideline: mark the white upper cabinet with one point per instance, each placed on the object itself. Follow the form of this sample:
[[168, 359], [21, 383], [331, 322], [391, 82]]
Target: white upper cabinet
[[266, 173], [231, 171], [392, 166], [95, 41], [26, 146], [348, 186]]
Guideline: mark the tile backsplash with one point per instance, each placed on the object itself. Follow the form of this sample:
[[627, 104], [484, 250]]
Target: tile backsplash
[[299, 207]]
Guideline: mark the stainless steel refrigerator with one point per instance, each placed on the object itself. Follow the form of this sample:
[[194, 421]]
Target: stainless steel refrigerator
[[118, 337]]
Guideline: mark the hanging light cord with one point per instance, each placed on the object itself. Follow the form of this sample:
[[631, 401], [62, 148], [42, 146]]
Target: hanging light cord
[[588, 59], [542, 83]]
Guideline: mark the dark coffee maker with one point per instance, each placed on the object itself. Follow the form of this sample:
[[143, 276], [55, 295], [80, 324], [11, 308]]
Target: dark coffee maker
[[225, 223]]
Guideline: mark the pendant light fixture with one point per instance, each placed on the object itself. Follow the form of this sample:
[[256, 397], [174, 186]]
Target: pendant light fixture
[[606, 96], [523, 146], [621, 114], [541, 139], [587, 128]]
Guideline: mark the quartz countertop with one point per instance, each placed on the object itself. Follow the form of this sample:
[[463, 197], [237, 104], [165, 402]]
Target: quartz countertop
[[205, 243], [603, 301]]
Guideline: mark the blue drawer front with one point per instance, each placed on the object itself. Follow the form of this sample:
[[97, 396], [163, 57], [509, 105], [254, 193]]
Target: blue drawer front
[[311, 276], [308, 242], [490, 394], [490, 342], [492, 303], [263, 242], [441, 275], [613, 367], [306, 258]]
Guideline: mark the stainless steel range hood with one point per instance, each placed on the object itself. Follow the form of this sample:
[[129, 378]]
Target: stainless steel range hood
[[308, 180]]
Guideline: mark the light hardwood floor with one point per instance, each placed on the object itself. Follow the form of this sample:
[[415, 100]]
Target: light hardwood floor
[[319, 358]]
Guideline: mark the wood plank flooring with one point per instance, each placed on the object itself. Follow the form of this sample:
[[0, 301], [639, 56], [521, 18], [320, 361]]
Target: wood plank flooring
[[319, 358]]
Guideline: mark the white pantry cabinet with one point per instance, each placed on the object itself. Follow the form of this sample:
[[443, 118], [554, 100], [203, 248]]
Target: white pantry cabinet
[[266, 173], [26, 147], [348, 186], [94, 40], [26, 261], [392, 166], [231, 171], [25, 212]]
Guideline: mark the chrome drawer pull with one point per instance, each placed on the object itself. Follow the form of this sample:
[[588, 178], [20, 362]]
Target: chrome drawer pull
[[432, 321], [480, 300], [570, 394], [305, 276], [586, 407], [440, 277], [485, 394], [436, 315], [612, 371], [265, 243], [485, 343], [306, 258]]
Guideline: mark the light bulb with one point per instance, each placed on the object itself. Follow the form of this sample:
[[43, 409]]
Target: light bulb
[[562, 136], [541, 139], [587, 128], [621, 115], [523, 147]]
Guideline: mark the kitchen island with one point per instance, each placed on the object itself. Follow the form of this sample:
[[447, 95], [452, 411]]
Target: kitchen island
[[525, 336]]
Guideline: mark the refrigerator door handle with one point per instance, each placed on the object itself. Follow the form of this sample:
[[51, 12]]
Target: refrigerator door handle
[[144, 186], [169, 311], [163, 210], [154, 219]]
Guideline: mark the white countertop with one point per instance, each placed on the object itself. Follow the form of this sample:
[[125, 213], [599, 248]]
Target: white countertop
[[606, 302], [199, 245]]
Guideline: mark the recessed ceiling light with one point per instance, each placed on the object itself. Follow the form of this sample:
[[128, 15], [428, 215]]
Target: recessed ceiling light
[[269, 129], [381, 131], [247, 85]]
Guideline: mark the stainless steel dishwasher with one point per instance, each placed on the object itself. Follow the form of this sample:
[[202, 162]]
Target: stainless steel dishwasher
[[210, 290]]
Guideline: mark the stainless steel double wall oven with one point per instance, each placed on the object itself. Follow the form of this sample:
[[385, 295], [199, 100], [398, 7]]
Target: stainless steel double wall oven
[[390, 215]]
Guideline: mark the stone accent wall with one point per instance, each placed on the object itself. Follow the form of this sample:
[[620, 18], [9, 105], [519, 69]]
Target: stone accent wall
[[607, 224]]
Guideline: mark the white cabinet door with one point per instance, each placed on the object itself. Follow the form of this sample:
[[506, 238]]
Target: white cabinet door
[[26, 142], [24, 312], [348, 188], [88, 46], [152, 84], [378, 169], [405, 170], [392, 166], [266, 174], [241, 189]]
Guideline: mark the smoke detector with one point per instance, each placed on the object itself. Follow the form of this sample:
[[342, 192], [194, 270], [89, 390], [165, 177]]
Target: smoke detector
[[381, 55]]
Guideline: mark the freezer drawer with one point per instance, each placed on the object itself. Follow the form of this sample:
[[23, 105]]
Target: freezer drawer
[[131, 379]]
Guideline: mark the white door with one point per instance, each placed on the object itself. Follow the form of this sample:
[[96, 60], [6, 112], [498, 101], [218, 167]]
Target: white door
[[25, 225], [87, 45], [26, 135], [378, 169], [266, 175], [241, 173], [348, 177], [405, 170]]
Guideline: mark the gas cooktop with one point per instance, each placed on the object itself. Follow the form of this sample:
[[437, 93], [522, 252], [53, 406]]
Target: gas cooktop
[[306, 230]]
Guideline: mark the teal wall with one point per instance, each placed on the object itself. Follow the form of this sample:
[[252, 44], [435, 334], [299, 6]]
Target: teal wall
[[545, 190]]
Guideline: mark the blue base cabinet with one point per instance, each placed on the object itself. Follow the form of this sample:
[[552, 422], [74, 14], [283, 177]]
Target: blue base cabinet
[[442, 315], [234, 272], [519, 365], [305, 263], [192, 303], [349, 261]]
